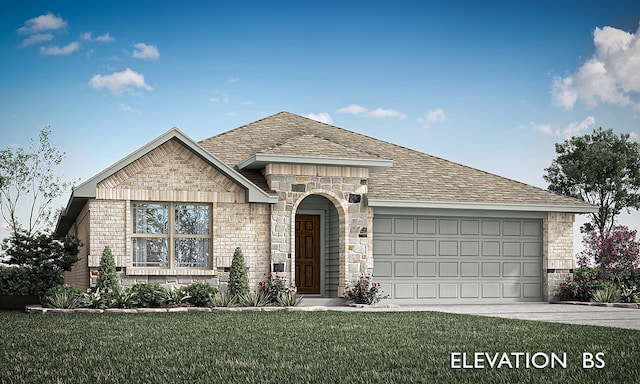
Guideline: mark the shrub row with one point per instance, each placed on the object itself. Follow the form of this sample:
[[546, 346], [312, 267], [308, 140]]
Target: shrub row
[[590, 284]]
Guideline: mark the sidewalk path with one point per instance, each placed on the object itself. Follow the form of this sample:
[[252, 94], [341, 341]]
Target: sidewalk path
[[556, 313]]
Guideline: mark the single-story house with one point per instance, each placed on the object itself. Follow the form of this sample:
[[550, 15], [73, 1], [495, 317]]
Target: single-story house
[[321, 205]]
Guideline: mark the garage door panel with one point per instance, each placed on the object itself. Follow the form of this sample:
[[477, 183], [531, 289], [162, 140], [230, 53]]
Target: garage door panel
[[426, 269], [427, 291], [403, 247], [382, 269], [426, 247], [469, 290], [404, 269], [448, 248], [448, 269], [469, 248], [448, 259], [404, 226]]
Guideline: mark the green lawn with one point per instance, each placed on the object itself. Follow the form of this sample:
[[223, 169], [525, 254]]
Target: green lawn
[[297, 347]]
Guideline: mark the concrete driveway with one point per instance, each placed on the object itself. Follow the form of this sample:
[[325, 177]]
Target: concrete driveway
[[557, 313]]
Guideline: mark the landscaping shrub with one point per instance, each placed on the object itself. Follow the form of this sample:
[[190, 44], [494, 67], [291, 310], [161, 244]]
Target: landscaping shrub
[[238, 280], [607, 294], [289, 299], [275, 287], [629, 294], [252, 299], [64, 296], [176, 296], [148, 295], [17, 281], [582, 285], [44, 257], [200, 294], [615, 253], [107, 276], [222, 299], [125, 298], [364, 291]]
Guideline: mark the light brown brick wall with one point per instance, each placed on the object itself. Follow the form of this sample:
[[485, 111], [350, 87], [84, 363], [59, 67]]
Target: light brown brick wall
[[558, 259], [79, 275], [172, 173]]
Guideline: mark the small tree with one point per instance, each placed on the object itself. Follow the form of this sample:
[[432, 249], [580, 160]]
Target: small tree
[[615, 254], [602, 169], [44, 257], [238, 280], [27, 180], [107, 276]]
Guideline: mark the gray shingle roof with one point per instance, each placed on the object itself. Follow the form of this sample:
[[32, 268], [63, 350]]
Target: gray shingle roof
[[414, 176]]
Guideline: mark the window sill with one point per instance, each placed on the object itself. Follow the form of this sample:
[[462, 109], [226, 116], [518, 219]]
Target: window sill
[[132, 271]]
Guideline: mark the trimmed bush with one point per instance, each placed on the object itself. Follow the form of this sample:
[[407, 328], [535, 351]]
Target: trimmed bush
[[582, 285], [17, 281], [200, 294], [107, 276], [149, 295], [238, 279], [275, 287]]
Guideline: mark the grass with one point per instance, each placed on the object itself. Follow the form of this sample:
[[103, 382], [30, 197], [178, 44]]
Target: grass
[[297, 347]]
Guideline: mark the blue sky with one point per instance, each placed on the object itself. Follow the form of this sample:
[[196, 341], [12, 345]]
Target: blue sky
[[492, 85]]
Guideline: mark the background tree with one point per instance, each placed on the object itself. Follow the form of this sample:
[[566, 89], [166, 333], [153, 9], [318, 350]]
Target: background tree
[[602, 169], [27, 179]]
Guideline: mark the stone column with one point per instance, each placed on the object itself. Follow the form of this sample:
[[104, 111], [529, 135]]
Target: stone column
[[558, 262]]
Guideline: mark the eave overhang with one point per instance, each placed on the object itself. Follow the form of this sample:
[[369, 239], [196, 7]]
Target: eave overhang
[[260, 160], [481, 206]]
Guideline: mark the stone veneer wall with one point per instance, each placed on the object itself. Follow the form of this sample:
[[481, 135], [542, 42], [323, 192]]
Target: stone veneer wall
[[345, 188], [172, 173], [558, 260]]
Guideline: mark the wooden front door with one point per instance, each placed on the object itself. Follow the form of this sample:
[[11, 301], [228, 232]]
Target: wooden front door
[[308, 254]]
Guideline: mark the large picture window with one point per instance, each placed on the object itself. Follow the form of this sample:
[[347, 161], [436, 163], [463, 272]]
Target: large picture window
[[171, 235]]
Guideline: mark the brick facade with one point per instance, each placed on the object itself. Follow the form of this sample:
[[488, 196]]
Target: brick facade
[[558, 259]]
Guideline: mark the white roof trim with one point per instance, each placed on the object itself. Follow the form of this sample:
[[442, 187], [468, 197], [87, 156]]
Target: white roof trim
[[481, 206], [260, 160]]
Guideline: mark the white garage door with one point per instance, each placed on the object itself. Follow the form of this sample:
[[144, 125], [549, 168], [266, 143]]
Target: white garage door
[[420, 259]]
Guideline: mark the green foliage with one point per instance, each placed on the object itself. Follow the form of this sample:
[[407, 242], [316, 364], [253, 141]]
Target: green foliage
[[581, 285], [28, 183], [602, 169], [608, 294], [18, 281], [98, 298], [615, 254], [200, 294], [64, 296], [125, 298], [629, 294], [364, 291], [149, 295], [289, 299], [252, 299], [176, 296], [238, 280], [222, 299], [275, 287], [44, 257], [107, 276]]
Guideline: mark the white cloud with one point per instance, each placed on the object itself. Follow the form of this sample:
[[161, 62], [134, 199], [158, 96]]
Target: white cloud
[[42, 23], [221, 97], [378, 113], [233, 80], [381, 113], [322, 117], [127, 108], [118, 82], [572, 129], [611, 75], [353, 109], [36, 39], [145, 52], [105, 38], [433, 116], [56, 50], [633, 136]]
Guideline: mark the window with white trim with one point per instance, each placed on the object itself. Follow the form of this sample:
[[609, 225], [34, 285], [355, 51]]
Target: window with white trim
[[171, 235]]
